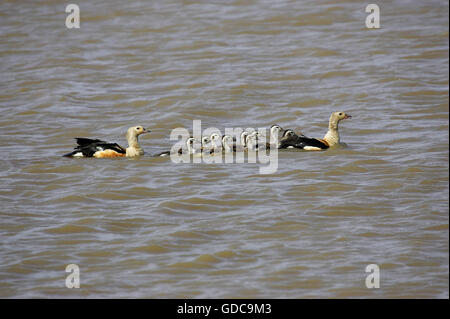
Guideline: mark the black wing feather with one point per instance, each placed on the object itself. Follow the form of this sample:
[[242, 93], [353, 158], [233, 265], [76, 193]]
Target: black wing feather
[[303, 141], [82, 141], [88, 147]]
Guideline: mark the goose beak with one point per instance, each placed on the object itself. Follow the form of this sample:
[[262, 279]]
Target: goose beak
[[145, 131], [347, 116]]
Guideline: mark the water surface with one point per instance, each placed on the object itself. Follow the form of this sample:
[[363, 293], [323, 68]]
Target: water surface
[[149, 228]]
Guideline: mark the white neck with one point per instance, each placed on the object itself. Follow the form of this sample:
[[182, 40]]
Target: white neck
[[133, 149], [332, 136]]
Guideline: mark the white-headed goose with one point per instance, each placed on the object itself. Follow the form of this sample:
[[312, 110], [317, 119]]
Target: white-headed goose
[[330, 139], [100, 149]]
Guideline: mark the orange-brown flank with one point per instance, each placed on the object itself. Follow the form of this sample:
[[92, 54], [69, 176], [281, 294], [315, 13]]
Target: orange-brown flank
[[108, 154]]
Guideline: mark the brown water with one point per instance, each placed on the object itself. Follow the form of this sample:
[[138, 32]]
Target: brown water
[[150, 228]]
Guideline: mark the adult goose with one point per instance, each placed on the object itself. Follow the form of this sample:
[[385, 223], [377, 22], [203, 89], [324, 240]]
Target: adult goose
[[315, 144], [100, 149]]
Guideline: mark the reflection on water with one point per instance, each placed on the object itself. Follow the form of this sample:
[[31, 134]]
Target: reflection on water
[[147, 227]]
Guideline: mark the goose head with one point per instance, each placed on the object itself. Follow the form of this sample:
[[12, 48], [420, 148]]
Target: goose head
[[337, 117]]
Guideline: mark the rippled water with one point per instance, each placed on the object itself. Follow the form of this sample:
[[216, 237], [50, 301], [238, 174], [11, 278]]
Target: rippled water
[[150, 228]]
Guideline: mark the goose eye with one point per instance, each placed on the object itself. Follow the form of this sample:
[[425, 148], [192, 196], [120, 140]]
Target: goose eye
[[340, 113]]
